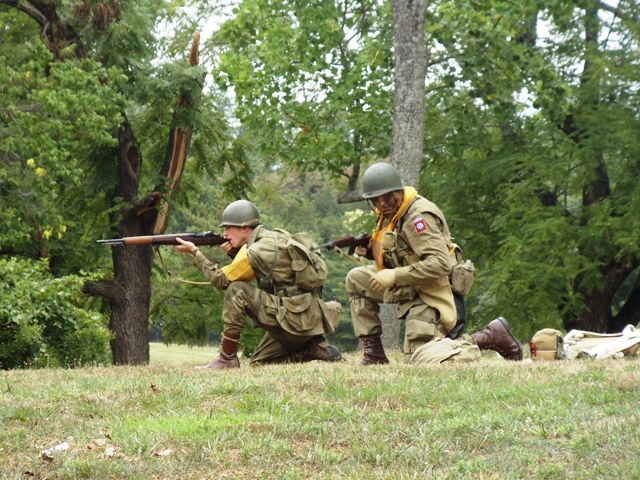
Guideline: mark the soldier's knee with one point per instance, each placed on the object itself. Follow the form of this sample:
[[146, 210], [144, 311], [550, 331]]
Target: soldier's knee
[[356, 279]]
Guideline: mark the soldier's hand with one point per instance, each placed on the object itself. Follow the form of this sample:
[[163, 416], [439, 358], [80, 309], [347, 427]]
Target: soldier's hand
[[226, 247], [383, 280], [360, 251], [185, 246]]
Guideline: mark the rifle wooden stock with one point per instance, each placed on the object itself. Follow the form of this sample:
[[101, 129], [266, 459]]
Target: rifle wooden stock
[[198, 239]]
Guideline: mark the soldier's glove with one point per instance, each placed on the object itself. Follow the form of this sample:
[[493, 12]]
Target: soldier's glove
[[360, 252], [383, 280]]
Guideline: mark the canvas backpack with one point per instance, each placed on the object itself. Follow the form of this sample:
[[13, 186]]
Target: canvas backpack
[[547, 344], [308, 265]]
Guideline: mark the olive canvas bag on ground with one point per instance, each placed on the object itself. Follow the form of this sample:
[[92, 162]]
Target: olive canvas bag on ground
[[547, 344]]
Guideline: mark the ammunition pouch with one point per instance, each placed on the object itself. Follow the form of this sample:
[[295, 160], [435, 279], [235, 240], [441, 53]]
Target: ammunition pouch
[[266, 284], [462, 277], [547, 344]]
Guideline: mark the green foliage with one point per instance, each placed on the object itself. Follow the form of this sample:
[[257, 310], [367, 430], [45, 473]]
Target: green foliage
[[47, 321], [311, 84], [532, 154], [62, 108], [52, 122]]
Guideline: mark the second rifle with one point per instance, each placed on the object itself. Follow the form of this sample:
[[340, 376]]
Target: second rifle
[[349, 241]]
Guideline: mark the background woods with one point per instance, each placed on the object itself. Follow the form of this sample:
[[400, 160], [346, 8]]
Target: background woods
[[529, 146]]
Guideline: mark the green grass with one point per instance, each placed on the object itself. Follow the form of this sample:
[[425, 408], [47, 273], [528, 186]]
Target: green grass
[[181, 354], [487, 420]]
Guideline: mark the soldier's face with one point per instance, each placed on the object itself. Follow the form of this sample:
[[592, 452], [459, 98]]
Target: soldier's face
[[237, 236], [387, 203]]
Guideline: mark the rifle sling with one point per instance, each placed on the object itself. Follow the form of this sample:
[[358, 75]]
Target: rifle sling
[[157, 250]]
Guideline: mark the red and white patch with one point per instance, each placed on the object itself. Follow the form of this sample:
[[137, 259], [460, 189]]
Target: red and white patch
[[420, 225]]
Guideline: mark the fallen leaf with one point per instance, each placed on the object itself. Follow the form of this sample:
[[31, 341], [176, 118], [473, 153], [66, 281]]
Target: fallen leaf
[[163, 453], [48, 453]]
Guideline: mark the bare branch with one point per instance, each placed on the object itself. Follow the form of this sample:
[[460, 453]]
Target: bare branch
[[33, 12]]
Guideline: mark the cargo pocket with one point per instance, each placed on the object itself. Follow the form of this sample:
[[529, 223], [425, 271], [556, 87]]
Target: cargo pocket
[[420, 330], [269, 312], [301, 314], [399, 294], [331, 313]]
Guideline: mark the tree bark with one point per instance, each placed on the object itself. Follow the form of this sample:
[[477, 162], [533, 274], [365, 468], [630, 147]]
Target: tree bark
[[407, 141], [629, 314], [129, 293], [411, 60], [390, 326]]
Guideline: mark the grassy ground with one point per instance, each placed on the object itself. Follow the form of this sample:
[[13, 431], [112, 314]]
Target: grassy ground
[[181, 354], [488, 420]]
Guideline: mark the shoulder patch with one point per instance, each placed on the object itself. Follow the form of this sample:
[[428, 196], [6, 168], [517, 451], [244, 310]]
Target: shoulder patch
[[420, 225]]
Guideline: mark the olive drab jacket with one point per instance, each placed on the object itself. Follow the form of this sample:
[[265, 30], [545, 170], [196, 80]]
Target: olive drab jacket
[[420, 248], [265, 258]]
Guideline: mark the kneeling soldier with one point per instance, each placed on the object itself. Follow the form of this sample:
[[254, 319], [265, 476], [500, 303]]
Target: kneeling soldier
[[295, 320]]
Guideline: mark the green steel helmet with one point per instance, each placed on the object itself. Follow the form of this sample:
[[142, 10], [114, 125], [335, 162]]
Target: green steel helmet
[[241, 213], [379, 179]]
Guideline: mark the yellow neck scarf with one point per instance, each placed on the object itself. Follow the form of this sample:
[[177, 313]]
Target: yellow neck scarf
[[376, 239]]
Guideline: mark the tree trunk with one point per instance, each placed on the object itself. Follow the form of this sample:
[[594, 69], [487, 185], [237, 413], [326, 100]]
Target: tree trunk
[[130, 309], [411, 61], [407, 141], [390, 326], [629, 314], [596, 314], [129, 293]]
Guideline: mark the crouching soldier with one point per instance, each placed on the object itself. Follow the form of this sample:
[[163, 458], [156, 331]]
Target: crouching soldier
[[288, 306], [411, 247]]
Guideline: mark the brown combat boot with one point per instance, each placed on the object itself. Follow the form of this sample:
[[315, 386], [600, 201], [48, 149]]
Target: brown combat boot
[[316, 349], [228, 357], [373, 351], [497, 336]]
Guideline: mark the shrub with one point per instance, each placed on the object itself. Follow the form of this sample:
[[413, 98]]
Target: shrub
[[47, 321]]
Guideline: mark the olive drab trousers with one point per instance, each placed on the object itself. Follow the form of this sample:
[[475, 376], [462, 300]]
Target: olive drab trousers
[[421, 320], [285, 333]]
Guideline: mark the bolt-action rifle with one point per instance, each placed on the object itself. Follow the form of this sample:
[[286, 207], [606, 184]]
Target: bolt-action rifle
[[350, 241], [198, 239]]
